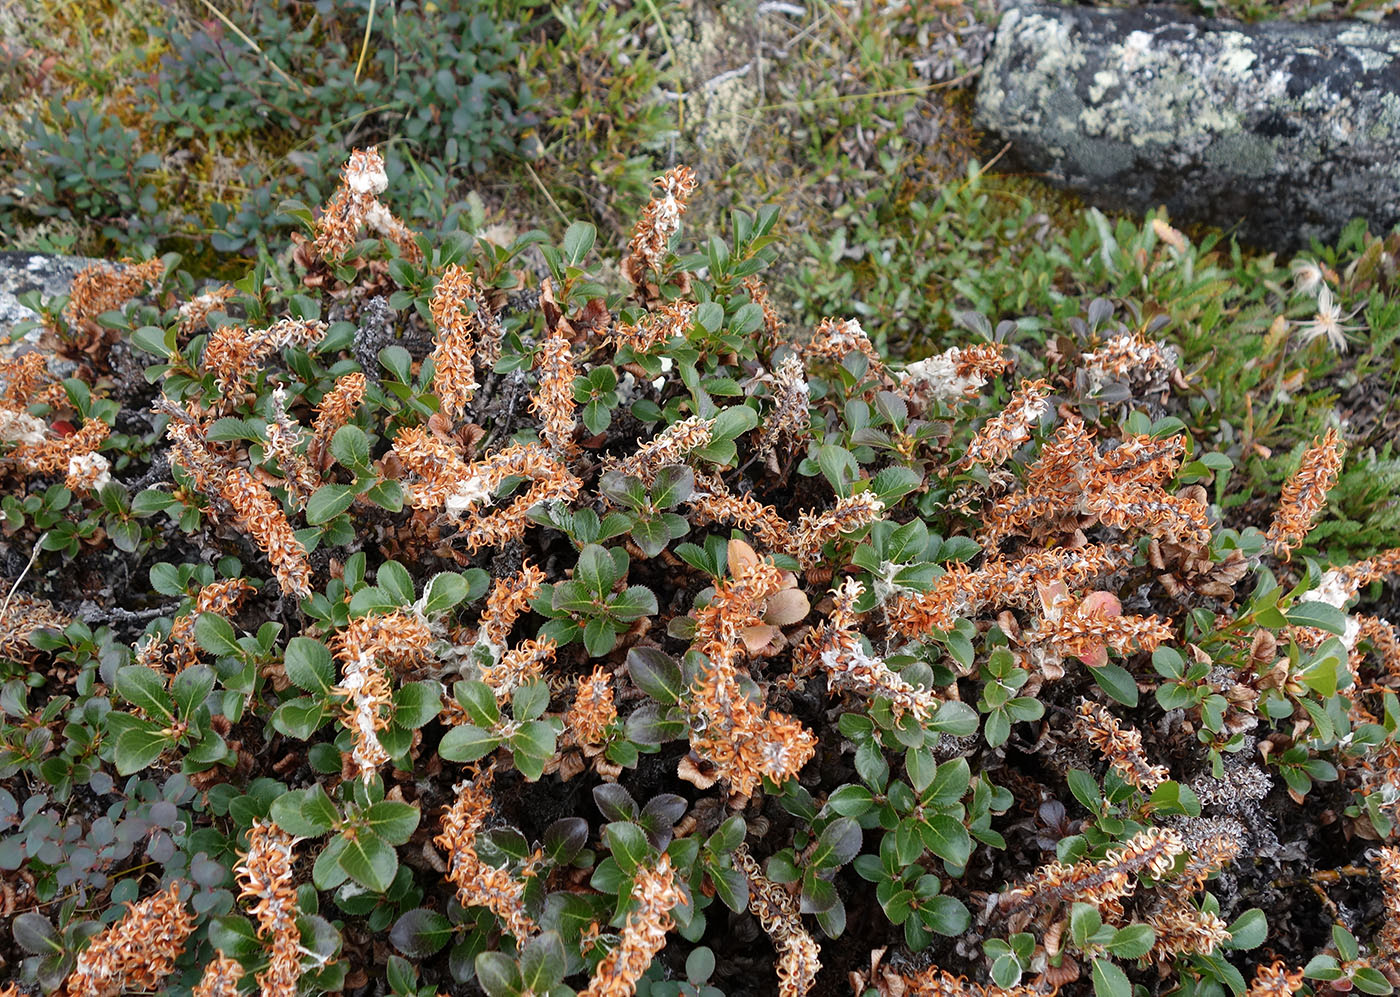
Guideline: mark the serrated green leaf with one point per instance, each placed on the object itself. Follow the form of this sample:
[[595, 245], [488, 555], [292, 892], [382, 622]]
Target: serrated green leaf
[[369, 861], [392, 820], [308, 665], [467, 743], [443, 591], [215, 635], [327, 502], [143, 688]]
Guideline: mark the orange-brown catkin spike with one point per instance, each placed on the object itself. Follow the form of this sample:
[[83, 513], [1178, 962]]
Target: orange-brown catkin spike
[[654, 892], [731, 731], [1115, 875], [777, 910], [553, 402], [103, 288], [136, 953], [479, 884], [1275, 980], [508, 599], [1003, 434], [454, 375], [266, 523], [234, 352], [220, 597], [220, 978], [588, 719], [1122, 746], [336, 409], [1305, 493], [265, 876], [660, 221]]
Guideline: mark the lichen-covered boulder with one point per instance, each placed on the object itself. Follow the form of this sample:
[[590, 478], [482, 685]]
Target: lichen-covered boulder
[[1278, 131]]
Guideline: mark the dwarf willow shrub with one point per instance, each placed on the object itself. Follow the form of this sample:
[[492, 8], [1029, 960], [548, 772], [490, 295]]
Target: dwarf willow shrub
[[479, 627]]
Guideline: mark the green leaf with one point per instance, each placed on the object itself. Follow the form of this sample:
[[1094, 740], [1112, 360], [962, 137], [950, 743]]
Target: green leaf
[[350, 446], [467, 743], [728, 836], [392, 820], [191, 688], [298, 718], [1249, 930], [839, 467], [954, 719], [386, 494], [369, 861], [1322, 967], [329, 501], [733, 422], [443, 591], [306, 813], [371, 599], [851, 800], [651, 535], [633, 603], [396, 582], [673, 485], [530, 700], [1346, 943], [230, 428], [731, 886], [945, 915], [898, 907], [893, 483], [421, 933], [152, 340], [543, 962], [838, 843], [234, 936], [478, 699], [1117, 682], [700, 965], [214, 634], [1132, 942], [536, 739], [143, 688], [138, 747], [1320, 615], [946, 838], [416, 703], [628, 844], [1006, 972], [950, 784], [1110, 981], [498, 975], [656, 674], [597, 570], [1085, 789], [1370, 981], [36, 934], [578, 242], [308, 665], [399, 362], [599, 637]]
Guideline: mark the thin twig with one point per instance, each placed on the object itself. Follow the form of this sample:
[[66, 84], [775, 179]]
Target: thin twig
[[255, 47], [675, 65], [33, 556], [545, 191], [364, 45]]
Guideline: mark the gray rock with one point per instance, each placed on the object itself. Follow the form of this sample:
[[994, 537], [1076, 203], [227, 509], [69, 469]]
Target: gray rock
[[21, 273], [1281, 131]]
